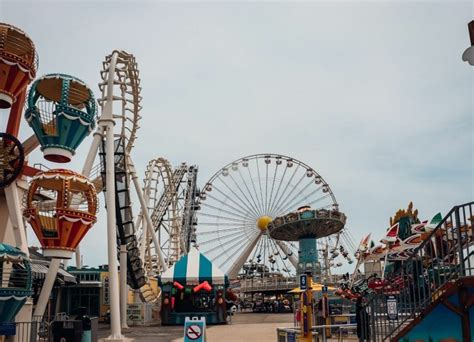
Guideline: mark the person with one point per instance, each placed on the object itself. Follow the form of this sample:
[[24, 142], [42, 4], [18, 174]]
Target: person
[[298, 317], [362, 320]]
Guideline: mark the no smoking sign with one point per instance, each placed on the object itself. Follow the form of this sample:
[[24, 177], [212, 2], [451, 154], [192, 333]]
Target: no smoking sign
[[194, 329], [194, 332]]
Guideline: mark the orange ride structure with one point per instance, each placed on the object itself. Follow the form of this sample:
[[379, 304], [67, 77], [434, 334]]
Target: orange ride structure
[[18, 66], [59, 204]]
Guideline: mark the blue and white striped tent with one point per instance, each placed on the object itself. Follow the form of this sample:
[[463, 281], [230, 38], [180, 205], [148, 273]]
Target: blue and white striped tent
[[193, 269]]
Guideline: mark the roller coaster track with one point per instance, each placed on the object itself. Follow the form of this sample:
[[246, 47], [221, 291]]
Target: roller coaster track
[[121, 68], [124, 216], [171, 213], [190, 208]]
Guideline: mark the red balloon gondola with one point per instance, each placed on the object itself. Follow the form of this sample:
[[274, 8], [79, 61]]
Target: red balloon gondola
[[61, 207], [18, 63]]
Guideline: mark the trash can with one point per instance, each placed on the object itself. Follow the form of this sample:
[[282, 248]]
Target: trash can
[[86, 327], [69, 331], [94, 328]]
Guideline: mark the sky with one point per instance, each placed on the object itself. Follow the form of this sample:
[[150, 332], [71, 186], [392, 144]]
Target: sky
[[373, 95]]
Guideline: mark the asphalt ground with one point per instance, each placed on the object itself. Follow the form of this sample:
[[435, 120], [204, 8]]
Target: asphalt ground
[[245, 327]]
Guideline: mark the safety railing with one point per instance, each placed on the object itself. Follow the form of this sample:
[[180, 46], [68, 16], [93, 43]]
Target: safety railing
[[445, 255], [34, 331], [267, 284], [322, 333]]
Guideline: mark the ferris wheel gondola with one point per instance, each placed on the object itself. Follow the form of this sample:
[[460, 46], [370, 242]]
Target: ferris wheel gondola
[[242, 198]]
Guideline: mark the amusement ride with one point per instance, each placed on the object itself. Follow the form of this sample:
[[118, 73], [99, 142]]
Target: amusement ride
[[260, 216], [240, 201]]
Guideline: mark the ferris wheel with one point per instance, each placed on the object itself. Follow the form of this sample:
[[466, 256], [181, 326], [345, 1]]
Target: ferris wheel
[[243, 197]]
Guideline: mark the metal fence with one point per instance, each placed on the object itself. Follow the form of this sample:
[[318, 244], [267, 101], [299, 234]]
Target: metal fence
[[268, 284], [38, 330], [32, 332], [322, 333], [445, 255]]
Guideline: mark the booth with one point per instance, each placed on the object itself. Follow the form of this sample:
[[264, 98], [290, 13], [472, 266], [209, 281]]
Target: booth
[[192, 287]]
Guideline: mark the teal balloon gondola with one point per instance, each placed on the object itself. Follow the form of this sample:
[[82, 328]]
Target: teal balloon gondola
[[62, 111]]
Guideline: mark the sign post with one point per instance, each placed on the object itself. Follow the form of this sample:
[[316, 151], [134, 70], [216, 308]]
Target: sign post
[[306, 308], [392, 310], [303, 282], [194, 329]]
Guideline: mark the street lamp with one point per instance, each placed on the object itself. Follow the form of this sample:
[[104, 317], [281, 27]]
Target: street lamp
[[468, 55]]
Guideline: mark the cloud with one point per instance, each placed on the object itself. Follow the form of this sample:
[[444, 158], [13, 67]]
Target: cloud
[[374, 96]]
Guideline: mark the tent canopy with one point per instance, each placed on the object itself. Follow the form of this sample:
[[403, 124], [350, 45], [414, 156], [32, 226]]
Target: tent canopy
[[193, 269]]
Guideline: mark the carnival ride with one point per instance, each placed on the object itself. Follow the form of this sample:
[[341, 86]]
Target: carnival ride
[[152, 241], [426, 268], [405, 235], [238, 204], [170, 196], [61, 204]]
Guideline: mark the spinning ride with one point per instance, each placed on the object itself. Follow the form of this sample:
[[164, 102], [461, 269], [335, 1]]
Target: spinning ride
[[239, 203], [307, 226]]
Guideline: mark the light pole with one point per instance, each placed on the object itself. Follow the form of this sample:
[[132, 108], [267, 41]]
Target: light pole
[[468, 55]]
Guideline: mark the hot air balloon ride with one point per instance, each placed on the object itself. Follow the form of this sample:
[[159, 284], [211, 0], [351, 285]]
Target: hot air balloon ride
[[18, 63], [61, 109], [61, 207]]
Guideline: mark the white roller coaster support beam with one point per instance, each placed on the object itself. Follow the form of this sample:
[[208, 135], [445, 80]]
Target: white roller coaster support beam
[[149, 224], [143, 237], [106, 120], [123, 286], [47, 287], [237, 266], [291, 256], [144, 228], [86, 170]]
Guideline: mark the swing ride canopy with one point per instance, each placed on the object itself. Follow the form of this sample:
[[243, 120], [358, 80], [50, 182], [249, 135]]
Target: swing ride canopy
[[192, 269]]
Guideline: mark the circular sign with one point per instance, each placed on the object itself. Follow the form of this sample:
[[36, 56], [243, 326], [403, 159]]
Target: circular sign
[[12, 158], [193, 332]]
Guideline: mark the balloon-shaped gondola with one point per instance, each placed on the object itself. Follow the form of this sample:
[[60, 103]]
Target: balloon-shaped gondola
[[62, 112], [18, 63], [61, 207]]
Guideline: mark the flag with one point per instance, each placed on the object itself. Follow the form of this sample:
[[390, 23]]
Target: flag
[[364, 243], [392, 234], [434, 222]]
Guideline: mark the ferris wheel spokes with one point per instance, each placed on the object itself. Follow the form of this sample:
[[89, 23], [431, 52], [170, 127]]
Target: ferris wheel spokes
[[253, 209], [286, 249], [237, 205], [239, 262]]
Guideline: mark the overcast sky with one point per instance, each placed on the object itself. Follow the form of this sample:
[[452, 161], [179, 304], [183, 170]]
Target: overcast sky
[[372, 95]]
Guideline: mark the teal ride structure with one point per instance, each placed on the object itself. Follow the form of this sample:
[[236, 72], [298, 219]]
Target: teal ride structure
[[306, 225], [15, 286], [61, 110]]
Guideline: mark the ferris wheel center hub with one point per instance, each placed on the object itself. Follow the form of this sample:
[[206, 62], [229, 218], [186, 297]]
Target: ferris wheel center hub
[[263, 222]]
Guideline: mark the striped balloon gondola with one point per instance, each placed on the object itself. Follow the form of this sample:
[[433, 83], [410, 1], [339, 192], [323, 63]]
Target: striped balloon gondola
[[62, 112], [61, 207], [18, 63]]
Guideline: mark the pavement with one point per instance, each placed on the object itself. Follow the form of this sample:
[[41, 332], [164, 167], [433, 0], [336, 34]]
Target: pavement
[[246, 327]]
